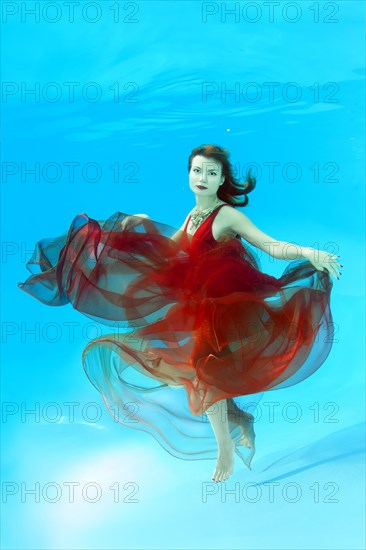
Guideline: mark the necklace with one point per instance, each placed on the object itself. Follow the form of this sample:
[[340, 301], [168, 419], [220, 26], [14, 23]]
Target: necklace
[[198, 216]]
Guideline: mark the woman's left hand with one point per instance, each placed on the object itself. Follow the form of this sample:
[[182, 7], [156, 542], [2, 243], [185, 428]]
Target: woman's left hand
[[324, 261]]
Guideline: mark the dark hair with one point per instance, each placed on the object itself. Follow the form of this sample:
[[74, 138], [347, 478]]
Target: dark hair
[[231, 187]]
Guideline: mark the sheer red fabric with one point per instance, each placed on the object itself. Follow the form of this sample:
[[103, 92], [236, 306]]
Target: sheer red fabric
[[207, 324]]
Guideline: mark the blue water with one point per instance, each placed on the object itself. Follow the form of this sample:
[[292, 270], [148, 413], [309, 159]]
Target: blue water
[[123, 91]]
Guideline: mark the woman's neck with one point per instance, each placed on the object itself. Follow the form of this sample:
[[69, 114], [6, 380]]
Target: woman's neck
[[203, 203]]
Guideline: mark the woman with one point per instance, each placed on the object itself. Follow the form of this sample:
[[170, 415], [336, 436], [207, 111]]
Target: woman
[[210, 326]]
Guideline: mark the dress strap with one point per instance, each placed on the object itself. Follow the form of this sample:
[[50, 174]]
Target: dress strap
[[187, 222], [218, 208]]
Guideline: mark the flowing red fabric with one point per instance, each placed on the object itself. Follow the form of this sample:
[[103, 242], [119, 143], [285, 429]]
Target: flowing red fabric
[[207, 323]]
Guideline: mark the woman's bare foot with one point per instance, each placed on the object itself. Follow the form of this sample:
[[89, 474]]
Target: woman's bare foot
[[248, 437], [225, 461], [245, 421], [247, 430]]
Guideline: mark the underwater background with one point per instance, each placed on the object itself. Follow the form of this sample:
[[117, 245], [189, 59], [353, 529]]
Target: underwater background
[[102, 103]]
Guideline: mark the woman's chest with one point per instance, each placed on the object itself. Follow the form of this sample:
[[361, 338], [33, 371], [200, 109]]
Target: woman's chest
[[212, 228]]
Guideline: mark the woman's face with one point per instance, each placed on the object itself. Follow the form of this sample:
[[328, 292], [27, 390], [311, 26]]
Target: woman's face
[[205, 176]]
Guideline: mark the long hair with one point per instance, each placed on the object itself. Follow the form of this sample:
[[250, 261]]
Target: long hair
[[231, 189]]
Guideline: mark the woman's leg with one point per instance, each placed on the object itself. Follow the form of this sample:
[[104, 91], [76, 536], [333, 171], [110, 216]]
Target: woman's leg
[[217, 415]]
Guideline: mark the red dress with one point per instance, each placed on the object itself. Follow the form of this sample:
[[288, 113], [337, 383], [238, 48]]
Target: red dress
[[207, 323]]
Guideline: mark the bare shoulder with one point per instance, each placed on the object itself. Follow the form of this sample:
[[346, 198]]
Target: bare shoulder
[[234, 221], [224, 221], [228, 215], [227, 209]]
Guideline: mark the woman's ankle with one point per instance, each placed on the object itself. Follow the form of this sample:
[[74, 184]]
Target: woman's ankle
[[225, 441]]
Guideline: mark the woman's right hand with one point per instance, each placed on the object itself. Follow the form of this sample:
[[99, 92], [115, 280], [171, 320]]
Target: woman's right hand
[[130, 221]]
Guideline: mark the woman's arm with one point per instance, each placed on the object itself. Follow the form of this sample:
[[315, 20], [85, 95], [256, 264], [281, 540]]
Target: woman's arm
[[321, 259], [240, 223]]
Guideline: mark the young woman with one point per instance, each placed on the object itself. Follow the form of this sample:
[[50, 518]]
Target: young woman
[[207, 321]]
